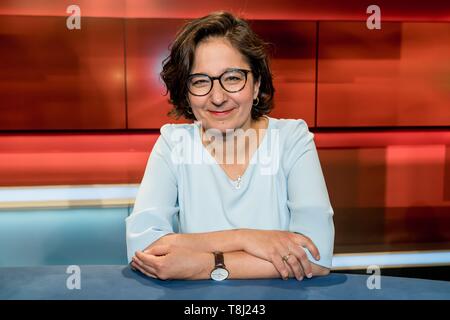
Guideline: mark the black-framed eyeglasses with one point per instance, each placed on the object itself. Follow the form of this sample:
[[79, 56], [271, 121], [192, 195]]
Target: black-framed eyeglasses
[[232, 80]]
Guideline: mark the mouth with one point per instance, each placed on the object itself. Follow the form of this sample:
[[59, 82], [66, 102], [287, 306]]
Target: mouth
[[221, 113]]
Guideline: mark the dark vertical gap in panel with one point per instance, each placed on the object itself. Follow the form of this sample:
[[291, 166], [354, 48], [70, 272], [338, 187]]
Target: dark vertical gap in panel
[[317, 74]]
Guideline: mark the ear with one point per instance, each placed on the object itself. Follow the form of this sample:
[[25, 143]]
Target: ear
[[256, 88]]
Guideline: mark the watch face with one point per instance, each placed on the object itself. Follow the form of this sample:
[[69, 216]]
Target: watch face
[[219, 274]]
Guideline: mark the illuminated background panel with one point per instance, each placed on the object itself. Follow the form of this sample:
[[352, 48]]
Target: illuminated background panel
[[63, 236], [55, 78], [394, 190], [396, 76], [72, 159], [148, 41]]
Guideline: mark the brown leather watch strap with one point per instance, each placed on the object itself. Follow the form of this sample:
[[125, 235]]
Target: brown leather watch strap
[[218, 259]]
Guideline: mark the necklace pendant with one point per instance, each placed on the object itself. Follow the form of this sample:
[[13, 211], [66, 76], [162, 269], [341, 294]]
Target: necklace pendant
[[238, 183]]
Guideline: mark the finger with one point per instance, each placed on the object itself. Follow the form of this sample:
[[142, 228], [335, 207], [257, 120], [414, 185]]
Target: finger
[[148, 268], [281, 267], [159, 250], [144, 266], [296, 267], [137, 267], [147, 258], [304, 241], [291, 271], [301, 256]]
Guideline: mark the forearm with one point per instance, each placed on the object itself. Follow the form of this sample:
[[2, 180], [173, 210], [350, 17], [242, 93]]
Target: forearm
[[242, 265], [224, 241]]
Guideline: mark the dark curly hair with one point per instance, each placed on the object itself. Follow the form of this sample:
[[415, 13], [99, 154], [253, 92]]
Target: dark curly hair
[[177, 66]]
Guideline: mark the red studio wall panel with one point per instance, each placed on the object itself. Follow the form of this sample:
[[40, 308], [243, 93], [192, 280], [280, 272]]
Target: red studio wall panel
[[41, 159], [106, 75], [147, 43], [55, 78], [396, 76], [399, 10], [293, 48]]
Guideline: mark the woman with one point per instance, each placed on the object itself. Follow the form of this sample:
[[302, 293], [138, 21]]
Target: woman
[[197, 216]]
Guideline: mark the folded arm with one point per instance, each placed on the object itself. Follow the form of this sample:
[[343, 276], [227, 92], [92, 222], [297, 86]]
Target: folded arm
[[250, 253], [243, 265], [167, 262]]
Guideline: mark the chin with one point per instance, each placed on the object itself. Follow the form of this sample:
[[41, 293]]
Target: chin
[[222, 127], [219, 124]]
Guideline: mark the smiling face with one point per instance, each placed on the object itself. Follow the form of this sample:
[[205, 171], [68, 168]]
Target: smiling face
[[220, 109]]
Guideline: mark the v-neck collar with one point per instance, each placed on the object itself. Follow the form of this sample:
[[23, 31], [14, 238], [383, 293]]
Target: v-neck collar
[[247, 169]]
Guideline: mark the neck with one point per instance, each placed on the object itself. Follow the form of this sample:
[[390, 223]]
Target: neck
[[230, 143]]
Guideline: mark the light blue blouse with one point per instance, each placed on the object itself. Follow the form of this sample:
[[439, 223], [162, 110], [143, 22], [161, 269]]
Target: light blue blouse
[[185, 190]]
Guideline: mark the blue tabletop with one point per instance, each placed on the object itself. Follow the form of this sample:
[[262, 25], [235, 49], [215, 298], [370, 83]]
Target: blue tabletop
[[120, 282]]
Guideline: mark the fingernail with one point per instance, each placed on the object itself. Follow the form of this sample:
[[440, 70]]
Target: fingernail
[[285, 278], [301, 278], [309, 275], [318, 258]]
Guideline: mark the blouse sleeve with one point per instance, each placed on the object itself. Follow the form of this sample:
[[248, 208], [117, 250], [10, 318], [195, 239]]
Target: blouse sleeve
[[311, 213], [156, 206]]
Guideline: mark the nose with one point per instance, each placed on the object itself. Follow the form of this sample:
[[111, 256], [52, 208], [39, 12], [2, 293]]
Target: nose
[[217, 94]]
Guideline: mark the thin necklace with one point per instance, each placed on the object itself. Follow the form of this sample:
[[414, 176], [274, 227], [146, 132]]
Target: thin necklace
[[238, 182], [239, 178]]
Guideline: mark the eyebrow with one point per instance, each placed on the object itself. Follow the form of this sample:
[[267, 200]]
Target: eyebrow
[[223, 70]]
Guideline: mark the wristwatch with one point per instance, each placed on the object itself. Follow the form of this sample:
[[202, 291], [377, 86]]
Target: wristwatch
[[219, 272]]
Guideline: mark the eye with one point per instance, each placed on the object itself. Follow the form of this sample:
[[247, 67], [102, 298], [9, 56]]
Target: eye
[[199, 82], [232, 78]]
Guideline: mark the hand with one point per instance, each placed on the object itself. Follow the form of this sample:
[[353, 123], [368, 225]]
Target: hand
[[273, 245], [167, 262], [168, 239]]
